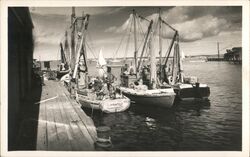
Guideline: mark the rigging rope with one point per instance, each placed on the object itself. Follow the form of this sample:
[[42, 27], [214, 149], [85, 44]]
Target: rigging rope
[[91, 41], [91, 50], [142, 32], [127, 44], [164, 33], [126, 30]]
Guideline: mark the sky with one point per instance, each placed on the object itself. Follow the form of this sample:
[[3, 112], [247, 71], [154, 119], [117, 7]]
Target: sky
[[199, 27]]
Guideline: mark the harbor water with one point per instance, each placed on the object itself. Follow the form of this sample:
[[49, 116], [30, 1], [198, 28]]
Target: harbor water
[[214, 125]]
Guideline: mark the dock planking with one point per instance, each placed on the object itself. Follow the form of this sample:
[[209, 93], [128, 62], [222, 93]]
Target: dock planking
[[62, 125], [86, 120]]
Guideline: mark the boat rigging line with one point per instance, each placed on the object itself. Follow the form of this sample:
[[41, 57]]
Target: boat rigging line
[[123, 37]]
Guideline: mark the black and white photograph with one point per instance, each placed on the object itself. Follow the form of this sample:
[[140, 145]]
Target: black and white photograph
[[126, 78]]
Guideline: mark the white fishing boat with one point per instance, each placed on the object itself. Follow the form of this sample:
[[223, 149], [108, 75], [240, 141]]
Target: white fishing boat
[[147, 92], [154, 97], [91, 94], [107, 105]]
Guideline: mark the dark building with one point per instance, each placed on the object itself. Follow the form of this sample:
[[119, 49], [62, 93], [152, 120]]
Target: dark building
[[52, 65], [20, 60], [234, 54]]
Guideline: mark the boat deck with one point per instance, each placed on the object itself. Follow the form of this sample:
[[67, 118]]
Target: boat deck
[[61, 123]]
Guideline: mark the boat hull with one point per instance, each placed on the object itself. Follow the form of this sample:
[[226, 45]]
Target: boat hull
[[107, 105], [160, 99], [191, 92], [60, 74]]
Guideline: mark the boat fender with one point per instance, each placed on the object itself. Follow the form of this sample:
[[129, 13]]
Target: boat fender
[[170, 79], [177, 78]]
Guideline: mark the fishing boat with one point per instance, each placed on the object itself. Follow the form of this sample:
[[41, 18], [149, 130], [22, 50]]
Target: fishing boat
[[145, 90], [88, 93], [186, 88], [191, 91], [158, 97], [107, 105]]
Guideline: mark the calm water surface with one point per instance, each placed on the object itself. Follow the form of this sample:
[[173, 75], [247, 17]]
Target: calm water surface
[[213, 125]]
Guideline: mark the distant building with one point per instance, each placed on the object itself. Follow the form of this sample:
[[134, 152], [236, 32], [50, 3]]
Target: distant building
[[50, 64], [234, 55]]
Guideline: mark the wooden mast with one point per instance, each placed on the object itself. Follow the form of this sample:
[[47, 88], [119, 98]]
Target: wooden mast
[[172, 43], [174, 63], [169, 50], [80, 48], [145, 43], [63, 59], [66, 49], [84, 53], [153, 74], [73, 53], [135, 39], [160, 45], [180, 62]]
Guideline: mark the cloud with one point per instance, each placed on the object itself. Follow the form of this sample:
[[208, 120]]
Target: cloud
[[115, 10], [49, 29], [193, 23], [79, 10], [178, 14], [202, 27], [121, 28], [108, 26], [111, 29]]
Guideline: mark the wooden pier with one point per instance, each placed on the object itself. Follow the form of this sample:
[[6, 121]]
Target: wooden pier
[[61, 123]]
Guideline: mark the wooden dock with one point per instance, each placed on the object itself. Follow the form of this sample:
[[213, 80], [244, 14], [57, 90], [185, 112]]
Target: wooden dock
[[61, 124]]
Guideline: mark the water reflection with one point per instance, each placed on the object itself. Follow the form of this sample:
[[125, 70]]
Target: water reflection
[[149, 127], [194, 106]]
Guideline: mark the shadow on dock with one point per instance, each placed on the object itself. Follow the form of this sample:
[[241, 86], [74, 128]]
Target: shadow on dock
[[27, 135]]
